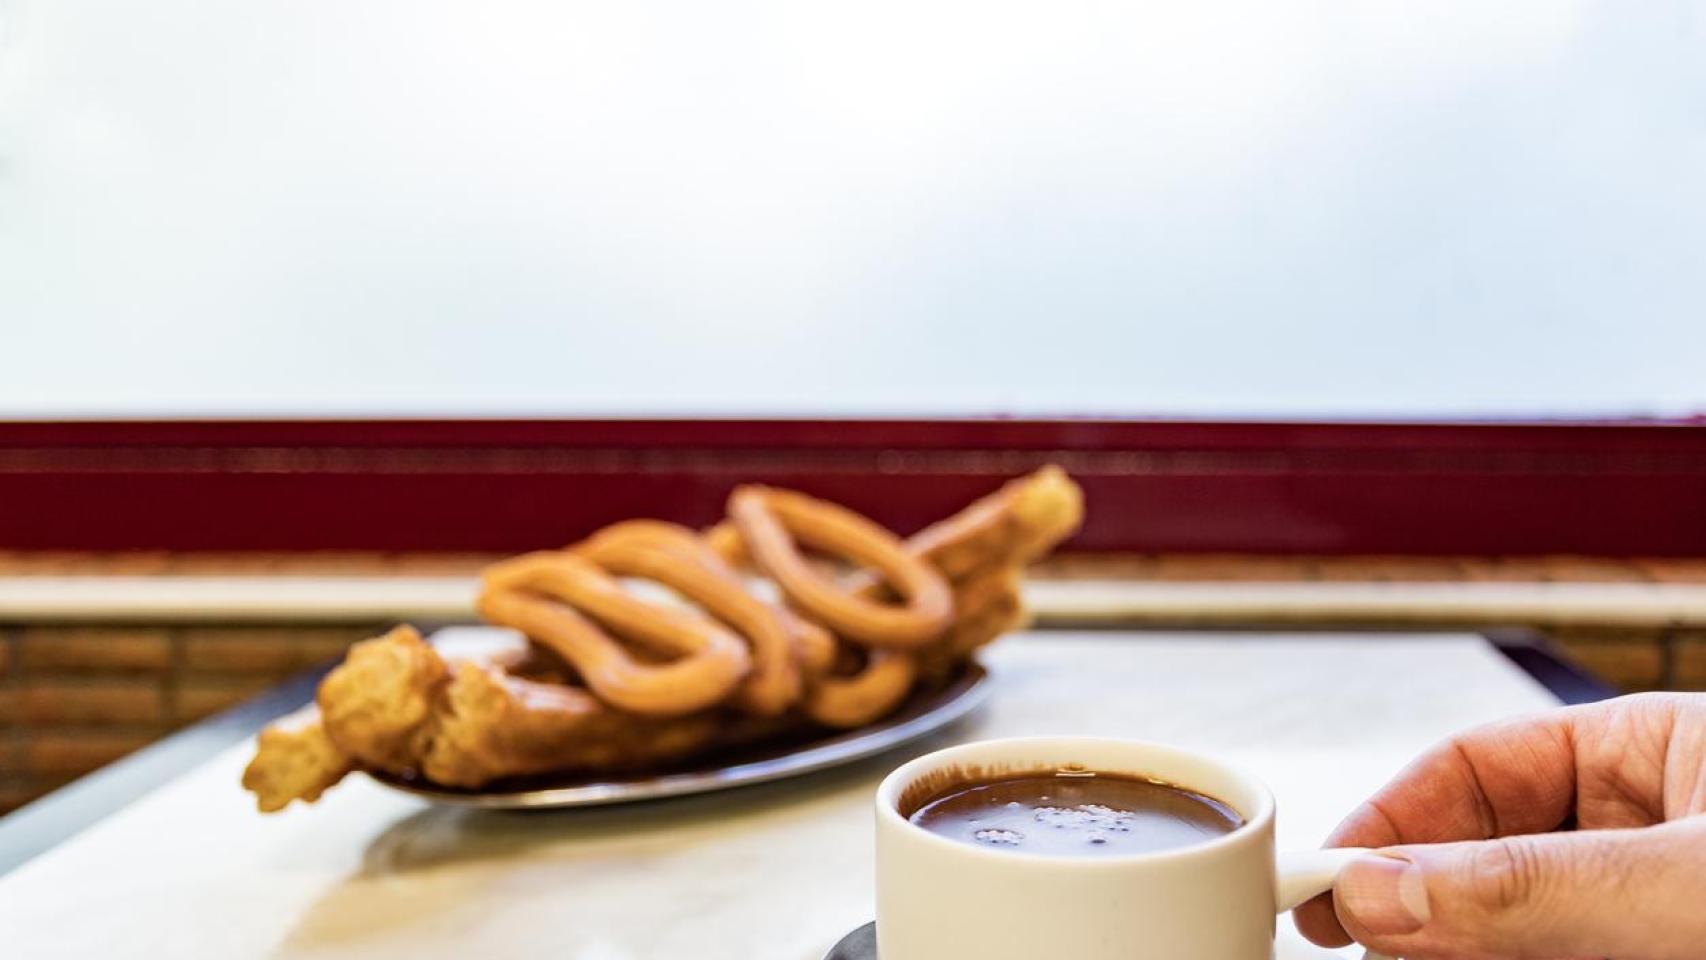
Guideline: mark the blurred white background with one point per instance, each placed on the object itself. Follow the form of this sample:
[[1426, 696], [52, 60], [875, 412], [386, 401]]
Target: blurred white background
[[1222, 207]]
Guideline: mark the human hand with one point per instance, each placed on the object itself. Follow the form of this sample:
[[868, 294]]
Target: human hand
[[1576, 833]]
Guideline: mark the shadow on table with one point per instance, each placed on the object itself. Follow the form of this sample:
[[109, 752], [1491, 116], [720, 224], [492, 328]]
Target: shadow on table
[[441, 836], [454, 857]]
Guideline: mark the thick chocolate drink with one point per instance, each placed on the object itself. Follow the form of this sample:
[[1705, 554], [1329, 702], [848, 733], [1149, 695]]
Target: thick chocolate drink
[[1075, 814]]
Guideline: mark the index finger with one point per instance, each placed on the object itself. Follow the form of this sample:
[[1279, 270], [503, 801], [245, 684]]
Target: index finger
[[1517, 776]]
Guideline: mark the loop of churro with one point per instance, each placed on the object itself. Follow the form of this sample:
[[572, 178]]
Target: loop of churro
[[672, 538], [875, 689], [543, 594], [1008, 528], [724, 540], [676, 557], [814, 645], [771, 521]]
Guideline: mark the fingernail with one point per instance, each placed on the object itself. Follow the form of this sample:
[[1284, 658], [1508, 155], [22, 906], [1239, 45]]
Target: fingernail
[[1386, 896]]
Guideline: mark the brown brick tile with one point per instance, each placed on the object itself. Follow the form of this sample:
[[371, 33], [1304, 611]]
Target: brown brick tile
[[29, 789], [43, 783], [74, 752], [1629, 660], [1690, 653], [99, 701], [1590, 633], [130, 649], [198, 697], [11, 798], [270, 650]]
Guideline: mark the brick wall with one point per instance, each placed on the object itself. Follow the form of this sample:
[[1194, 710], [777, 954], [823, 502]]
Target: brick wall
[[74, 698], [1635, 660]]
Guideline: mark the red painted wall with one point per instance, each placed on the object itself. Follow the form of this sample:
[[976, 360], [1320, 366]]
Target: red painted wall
[[1465, 488]]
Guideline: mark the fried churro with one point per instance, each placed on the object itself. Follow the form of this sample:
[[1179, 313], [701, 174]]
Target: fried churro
[[615, 682]]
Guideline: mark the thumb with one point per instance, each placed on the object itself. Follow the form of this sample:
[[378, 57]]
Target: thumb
[[1631, 894]]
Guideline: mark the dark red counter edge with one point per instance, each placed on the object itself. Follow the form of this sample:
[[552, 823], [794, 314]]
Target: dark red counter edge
[[1596, 488]]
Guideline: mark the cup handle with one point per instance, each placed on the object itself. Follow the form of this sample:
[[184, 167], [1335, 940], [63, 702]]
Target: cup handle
[[1305, 874]]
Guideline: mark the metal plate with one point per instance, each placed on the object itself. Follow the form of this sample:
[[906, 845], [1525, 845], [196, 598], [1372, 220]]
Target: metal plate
[[922, 714], [861, 944]]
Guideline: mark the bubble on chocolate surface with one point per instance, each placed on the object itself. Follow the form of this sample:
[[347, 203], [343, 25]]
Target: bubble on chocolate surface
[[1087, 816], [999, 838]]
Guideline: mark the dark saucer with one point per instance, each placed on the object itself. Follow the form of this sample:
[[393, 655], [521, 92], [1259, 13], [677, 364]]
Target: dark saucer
[[861, 944]]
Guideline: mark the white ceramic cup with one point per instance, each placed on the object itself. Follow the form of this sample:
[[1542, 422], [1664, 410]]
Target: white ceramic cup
[[941, 899]]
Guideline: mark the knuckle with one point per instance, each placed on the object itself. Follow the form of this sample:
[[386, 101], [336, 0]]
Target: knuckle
[[1506, 874]]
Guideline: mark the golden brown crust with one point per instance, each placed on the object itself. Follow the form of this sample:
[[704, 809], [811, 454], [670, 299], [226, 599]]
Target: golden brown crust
[[771, 520], [374, 703], [992, 605], [1016, 524], [675, 557], [294, 760], [814, 645], [493, 725], [725, 541], [396, 705], [869, 693], [544, 594]]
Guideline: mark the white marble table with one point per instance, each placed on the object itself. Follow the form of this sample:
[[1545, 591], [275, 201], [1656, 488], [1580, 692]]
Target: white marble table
[[776, 872]]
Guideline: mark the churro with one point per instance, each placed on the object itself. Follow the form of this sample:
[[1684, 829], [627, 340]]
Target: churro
[[615, 682]]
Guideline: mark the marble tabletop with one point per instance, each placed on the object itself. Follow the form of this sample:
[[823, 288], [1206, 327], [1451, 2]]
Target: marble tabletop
[[774, 872]]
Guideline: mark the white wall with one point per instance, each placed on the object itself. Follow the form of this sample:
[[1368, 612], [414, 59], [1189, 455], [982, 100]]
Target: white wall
[[1221, 207]]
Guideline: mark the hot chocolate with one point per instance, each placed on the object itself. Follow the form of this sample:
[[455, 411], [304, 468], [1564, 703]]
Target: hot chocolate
[[1074, 813]]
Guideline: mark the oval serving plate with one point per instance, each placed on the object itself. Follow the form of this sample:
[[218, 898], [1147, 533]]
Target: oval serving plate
[[920, 715]]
